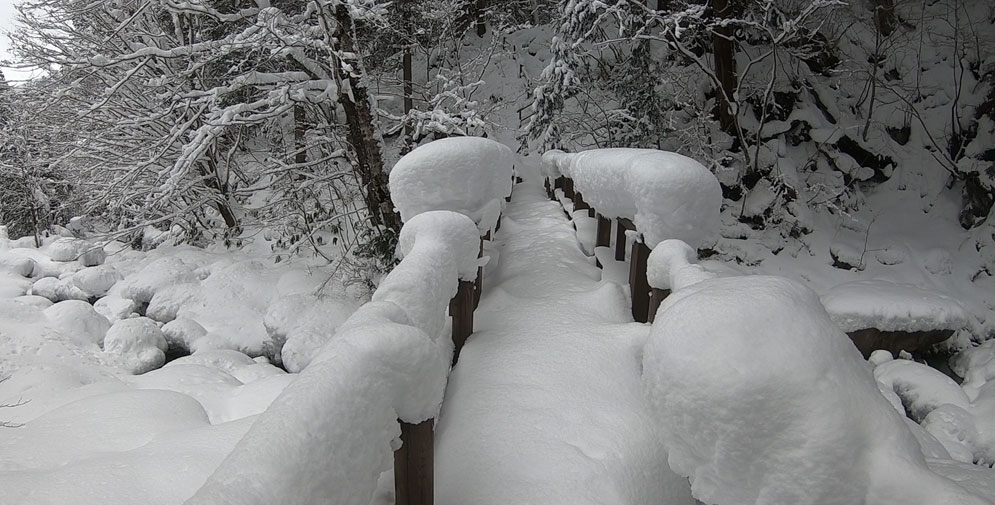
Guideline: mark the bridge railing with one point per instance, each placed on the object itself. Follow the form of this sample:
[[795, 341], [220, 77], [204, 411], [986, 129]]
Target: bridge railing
[[331, 433], [649, 195]]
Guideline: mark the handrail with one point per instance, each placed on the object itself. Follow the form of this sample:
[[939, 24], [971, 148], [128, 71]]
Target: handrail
[[330, 432]]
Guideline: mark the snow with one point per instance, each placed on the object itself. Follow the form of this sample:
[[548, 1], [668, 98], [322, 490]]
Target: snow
[[468, 175], [665, 194], [749, 410], [672, 264], [139, 342], [545, 403], [79, 321], [335, 426], [890, 306]]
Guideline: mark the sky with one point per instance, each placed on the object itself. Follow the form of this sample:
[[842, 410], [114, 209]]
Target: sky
[[7, 13]]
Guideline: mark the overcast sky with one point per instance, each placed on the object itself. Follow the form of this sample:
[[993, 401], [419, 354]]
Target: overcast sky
[[6, 24]]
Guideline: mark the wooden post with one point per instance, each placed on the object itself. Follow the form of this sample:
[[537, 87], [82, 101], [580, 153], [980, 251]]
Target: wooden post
[[414, 465], [603, 238], [639, 287], [461, 310], [623, 225], [656, 298], [478, 283], [579, 203], [568, 188], [549, 189]]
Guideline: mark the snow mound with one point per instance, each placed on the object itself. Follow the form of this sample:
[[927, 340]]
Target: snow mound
[[78, 320], [115, 308], [300, 325], [96, 280], [673, 265], [468, 175], [138, 342], [773, 414], [889, 306], [157, 275], [58, 289], [665, 194]]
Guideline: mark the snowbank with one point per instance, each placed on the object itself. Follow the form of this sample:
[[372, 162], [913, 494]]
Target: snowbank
[[665, 194], [754, 412], [889, 306], [468, 175], [331, 433]]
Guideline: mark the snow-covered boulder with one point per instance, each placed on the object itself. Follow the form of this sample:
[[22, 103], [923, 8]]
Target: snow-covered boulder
[[183, 333], [65, 249], [665, 194], [58, 289], [138, 342], [96, 280], [16, 264], [13, 286], [761, 399], [300, 325], [468, 175], [159, 274], [78, 320], [115, 307]]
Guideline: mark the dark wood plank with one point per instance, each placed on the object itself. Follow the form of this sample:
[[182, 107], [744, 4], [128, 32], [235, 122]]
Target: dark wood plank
[[639, 287], [414, 465]]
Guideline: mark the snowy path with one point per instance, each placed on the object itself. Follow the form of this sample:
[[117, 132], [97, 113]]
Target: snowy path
[[545, 405]]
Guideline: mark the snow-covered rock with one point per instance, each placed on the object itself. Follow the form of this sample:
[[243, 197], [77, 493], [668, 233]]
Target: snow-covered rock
[[115, 308], [750, 410], [155, 276], [78, 320], [138, 342], [468, 175], [96, 280], [300, 325]]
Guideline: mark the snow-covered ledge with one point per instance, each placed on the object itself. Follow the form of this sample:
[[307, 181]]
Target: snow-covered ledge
[[665, 194], [332, 432], [468, 175]]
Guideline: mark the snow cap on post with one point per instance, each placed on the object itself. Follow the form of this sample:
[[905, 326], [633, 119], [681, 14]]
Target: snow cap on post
[[665, 194], [672, 265], [749, 409], [468, 175]]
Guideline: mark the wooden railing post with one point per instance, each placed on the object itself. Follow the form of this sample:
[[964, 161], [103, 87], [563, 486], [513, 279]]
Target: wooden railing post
[[657, 296], [461, 310], [478, 283], [639, 287], [568, 188], [604, 235], [414, 465], [623, 225]]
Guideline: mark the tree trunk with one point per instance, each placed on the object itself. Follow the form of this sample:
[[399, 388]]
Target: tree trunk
[[300, 151], [724, 49], [479, 6], [409, 99], [362, 135]]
